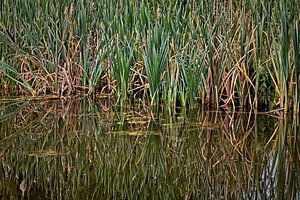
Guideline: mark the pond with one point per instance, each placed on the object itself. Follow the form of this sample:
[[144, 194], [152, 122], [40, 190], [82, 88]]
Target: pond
[[82, 149]]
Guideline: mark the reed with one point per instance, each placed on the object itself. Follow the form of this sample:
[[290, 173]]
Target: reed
[[236, 50], [296, 51], [155, 60], [123, 62]]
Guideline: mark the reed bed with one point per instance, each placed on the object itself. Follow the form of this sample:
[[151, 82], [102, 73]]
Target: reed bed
[[77, 150], [177, 53]]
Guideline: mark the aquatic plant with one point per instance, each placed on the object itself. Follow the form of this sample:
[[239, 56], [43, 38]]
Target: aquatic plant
[[153, 50]]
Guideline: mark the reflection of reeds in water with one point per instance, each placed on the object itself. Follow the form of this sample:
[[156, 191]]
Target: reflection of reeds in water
[[59, 151]]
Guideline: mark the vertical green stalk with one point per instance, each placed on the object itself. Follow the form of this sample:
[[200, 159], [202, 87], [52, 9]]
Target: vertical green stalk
[[83, 32], [296, 48], [284, 75], [259, 23]]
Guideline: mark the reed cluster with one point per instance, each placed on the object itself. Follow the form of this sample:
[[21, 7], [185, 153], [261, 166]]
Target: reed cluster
[[224, 53]]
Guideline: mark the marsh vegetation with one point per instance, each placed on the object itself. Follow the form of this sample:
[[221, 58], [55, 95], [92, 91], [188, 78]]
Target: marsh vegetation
[[187, 53], [113, 99]]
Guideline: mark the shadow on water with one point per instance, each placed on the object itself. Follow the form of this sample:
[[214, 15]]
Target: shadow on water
[[82, 150]]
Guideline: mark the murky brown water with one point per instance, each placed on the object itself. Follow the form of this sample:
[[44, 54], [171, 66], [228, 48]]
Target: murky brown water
[[84, 150]]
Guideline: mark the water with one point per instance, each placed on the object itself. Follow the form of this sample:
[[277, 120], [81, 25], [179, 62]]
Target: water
[[86, 150]]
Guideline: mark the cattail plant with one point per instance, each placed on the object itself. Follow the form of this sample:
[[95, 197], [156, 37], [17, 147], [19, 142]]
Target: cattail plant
[[231, 54]]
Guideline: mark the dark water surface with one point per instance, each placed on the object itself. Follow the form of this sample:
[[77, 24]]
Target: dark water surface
[[86, 150]]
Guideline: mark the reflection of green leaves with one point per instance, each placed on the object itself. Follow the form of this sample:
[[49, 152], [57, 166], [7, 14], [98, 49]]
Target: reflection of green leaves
[[11, 113], [91, 156]]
